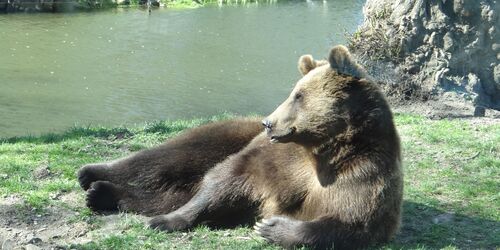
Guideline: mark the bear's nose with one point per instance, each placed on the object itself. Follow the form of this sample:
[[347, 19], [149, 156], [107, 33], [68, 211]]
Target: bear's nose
[[267, 124]]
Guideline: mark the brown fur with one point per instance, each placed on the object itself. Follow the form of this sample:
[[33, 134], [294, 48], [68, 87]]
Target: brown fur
[[161, 179], [325, 173]]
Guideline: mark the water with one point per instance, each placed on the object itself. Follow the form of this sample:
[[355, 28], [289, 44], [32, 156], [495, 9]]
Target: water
[[126, 67]]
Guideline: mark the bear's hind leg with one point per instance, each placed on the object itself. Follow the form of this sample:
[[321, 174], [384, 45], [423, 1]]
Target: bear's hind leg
[[154, 203], [221, 201], [110, 197], [161, 179]]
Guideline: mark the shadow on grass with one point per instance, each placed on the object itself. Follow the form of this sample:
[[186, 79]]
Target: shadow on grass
[[430, 228]]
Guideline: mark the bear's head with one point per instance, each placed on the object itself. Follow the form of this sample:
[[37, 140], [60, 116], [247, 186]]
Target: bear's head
[[333, 99]]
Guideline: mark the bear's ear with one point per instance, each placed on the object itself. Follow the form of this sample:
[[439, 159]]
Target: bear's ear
[[307, 63], [341, 60]]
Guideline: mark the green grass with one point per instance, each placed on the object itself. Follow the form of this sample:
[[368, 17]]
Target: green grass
[[452, 184], [139, 237]]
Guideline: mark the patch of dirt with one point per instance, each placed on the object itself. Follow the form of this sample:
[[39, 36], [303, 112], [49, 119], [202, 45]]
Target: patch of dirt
[[444, 107], [41, 172], [21, 227], [57, 227], [406, 95]]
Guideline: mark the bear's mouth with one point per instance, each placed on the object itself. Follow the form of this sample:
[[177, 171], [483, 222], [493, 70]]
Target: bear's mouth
[[283, 137]]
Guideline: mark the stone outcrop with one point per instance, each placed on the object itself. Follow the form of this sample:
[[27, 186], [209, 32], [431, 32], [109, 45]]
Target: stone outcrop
[[38, 5], [441, 47], [64, 5]]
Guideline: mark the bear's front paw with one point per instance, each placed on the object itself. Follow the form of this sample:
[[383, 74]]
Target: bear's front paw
[[279, 230], [169, 223]]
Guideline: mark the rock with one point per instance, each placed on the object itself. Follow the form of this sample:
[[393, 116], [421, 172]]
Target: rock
[[466, 29], [496, 75], [41, 172], [492, 32], [432, 38], [155, 3], [486, 13], [473, 83], [81, 234], [448, 41], [443, 218], [458, 6], [439, 77], [452, 44], [469, 8], [419, 57], [479, 111], [8, 244], [31, 247], [426, 38], [34, 240], [413, 69]]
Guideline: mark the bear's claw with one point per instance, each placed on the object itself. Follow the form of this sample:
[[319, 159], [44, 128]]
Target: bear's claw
[[278, 230]]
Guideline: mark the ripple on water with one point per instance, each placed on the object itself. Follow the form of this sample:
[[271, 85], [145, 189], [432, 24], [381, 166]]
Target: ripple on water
[[124, 66]]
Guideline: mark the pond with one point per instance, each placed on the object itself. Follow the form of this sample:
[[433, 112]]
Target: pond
[[125, 67]]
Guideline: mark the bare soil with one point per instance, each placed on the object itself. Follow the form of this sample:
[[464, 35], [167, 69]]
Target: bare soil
[[446, 108], [408, 97], [57, 227]]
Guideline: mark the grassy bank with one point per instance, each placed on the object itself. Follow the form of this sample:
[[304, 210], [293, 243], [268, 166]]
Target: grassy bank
[[452, 181]]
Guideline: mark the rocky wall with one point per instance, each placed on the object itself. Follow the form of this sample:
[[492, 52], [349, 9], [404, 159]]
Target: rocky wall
[[442, 47]]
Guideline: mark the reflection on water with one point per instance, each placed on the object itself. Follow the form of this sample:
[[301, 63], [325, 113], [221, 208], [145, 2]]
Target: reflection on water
[[124, 66]]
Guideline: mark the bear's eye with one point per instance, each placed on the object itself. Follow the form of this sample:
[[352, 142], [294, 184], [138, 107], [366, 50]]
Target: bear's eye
[[298, 96]]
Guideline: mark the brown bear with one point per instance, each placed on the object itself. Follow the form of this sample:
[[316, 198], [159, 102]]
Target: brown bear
[[325, 172]]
